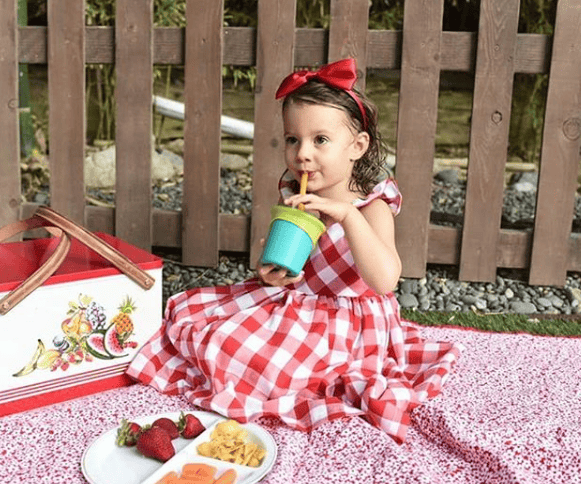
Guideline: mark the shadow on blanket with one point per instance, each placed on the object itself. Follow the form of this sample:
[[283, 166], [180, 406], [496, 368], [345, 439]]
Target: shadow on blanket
[[510, 413]]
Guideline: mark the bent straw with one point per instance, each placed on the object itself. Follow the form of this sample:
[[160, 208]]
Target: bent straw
[[304, 180]]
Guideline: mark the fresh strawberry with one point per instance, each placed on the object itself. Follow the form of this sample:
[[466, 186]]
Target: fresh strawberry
[[189, 426], [155, 442], [168, 425], [128, 433]]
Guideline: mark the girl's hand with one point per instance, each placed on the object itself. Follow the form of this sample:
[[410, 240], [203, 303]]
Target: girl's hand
[[329, 210], [275, 276]]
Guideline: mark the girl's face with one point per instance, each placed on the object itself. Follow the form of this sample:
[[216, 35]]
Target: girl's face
[[320, 140]]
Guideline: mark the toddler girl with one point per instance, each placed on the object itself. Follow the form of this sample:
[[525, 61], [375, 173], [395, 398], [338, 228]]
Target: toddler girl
[[328, 343]]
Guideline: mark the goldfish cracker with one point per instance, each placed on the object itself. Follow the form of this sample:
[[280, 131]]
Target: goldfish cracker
[[228, 443]]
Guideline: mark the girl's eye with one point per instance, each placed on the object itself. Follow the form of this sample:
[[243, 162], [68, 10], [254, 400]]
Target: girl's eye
[[290, 140], [321, 140]]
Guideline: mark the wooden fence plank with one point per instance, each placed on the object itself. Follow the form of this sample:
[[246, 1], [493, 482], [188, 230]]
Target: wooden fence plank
[[66, 95], [348, 34], [274, 61], [488, 138], [458, 49], [9, 133], [134, 91], [203, 97], [559, 153], [416, 129]]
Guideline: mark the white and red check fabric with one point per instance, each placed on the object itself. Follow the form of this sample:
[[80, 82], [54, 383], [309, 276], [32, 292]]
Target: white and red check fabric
[[324, 348]]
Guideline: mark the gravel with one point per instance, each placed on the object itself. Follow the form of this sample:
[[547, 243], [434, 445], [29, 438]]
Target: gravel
[[439, 290]]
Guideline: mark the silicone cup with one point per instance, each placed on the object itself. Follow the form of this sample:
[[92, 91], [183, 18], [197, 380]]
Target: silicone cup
[[292, 236]]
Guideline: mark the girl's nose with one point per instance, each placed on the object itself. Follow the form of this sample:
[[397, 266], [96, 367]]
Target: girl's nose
[[304, 152]]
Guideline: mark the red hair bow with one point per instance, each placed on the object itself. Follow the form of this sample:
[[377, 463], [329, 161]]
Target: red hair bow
[[341, 75]]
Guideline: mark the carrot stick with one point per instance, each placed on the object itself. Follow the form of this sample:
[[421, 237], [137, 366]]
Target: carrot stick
[[304, 181]]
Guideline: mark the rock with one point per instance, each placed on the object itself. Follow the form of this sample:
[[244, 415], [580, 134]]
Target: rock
[[233, 161], [408, 301], [408, 286], [525, 182], [100, 167], [521, 307], [449, 176]]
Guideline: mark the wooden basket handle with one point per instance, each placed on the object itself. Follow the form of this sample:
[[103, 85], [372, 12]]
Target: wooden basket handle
[[102, 248], [38, 277]]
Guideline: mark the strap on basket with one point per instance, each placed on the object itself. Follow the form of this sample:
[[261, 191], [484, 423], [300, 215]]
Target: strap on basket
[[38, 277], [102, 248]]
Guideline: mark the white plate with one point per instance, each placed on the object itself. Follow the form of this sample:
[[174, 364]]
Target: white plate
[[104, 462]]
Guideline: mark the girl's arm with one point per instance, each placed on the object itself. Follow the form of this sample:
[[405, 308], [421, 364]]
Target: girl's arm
[[370, 234]]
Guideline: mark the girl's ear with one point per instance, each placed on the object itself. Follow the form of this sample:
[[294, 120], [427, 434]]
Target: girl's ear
[[360, 145]]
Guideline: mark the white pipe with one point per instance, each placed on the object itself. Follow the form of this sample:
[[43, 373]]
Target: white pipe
[[231, 126]]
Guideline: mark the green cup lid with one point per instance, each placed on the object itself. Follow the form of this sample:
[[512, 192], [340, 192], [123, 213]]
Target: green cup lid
[[309, 223]]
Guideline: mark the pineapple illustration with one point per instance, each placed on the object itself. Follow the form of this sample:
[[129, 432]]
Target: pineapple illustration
[[122, 320]]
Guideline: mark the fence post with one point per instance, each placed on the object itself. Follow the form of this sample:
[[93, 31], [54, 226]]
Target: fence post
[[134, 125], [9, 151], [559, 154], [489, 138], [203, 97], [66, 116], [274, 60], [348, 34], [416, 129]]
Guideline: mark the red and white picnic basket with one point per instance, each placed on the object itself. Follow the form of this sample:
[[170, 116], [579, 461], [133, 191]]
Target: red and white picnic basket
[[74, 310]]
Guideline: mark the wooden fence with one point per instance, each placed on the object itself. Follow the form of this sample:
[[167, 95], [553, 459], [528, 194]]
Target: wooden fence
[[421, 51]]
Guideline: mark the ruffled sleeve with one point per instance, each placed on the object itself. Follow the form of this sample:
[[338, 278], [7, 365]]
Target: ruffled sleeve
[[387, 191]]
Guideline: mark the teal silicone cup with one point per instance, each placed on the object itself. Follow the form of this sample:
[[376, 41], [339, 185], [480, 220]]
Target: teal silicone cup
[[292, 236]]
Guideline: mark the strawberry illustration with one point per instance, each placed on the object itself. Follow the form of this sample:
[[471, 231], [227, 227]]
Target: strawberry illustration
[[189, 426], [155, 442], [168, 425], [128, 433]]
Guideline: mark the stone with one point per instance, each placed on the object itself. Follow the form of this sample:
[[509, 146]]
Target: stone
[[408, 286], [523, 307], [408, 301], [231, 161], [449, 175]]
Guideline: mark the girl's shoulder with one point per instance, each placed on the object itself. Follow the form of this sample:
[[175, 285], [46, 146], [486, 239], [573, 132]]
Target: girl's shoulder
[[387, 191]]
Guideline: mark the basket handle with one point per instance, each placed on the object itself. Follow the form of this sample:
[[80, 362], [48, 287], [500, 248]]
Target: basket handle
[[102, 248], [38, 277]]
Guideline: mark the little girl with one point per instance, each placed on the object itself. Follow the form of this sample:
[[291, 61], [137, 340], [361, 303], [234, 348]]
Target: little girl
[[328, 343]]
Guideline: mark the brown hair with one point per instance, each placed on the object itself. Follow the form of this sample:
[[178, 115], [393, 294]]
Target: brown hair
[[370, 168]]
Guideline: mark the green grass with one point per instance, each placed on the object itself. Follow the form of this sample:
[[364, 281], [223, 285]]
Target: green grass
[[498, 323]]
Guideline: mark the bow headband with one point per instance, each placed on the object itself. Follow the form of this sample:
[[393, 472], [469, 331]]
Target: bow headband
[[341, 75]]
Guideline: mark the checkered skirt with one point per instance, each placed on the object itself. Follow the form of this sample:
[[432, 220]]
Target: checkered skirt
[[325, 348]]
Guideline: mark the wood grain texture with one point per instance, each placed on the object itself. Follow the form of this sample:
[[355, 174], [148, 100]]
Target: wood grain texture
[[134, 91], [458, 49], [274, 61], [66, 97], [560, 153], [9, 132], [416, 129], [348, 34], [203, 98], [488, 138]]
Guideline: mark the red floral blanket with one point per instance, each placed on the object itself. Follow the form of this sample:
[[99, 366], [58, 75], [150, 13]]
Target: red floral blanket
[[510, 414]]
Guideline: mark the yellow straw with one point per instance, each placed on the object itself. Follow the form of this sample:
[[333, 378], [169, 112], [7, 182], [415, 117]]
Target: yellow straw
[[304, 180]]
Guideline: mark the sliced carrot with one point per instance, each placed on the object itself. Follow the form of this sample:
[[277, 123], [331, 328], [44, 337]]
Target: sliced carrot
[[227, 477], [170, 478], [199, 473]]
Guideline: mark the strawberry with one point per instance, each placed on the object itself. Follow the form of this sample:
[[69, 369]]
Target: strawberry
[[128, 433], [155, 442], [189, 426], [168, 425]]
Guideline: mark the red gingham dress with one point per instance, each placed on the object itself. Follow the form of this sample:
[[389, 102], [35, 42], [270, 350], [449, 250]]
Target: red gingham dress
[[325, 348]]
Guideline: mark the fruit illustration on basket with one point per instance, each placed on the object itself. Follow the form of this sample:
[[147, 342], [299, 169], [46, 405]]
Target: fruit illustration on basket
[[85, 336]]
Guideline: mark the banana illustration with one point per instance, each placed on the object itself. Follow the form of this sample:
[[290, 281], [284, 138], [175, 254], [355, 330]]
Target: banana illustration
[[31, 365]]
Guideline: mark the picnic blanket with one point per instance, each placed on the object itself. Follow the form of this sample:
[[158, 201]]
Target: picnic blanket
[[511, 413]]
